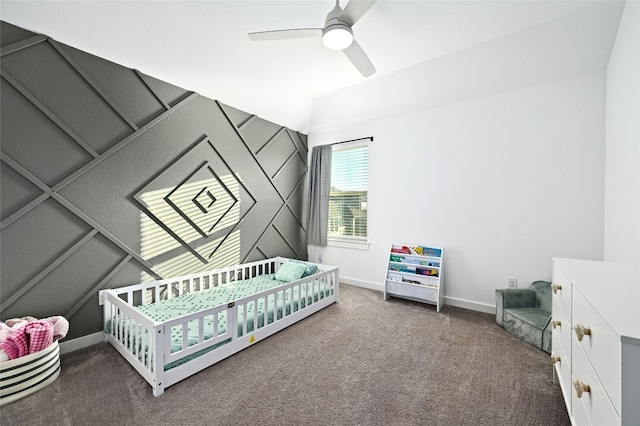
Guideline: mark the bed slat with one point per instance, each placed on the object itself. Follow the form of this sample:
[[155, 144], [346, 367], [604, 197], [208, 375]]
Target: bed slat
[[185, 336]]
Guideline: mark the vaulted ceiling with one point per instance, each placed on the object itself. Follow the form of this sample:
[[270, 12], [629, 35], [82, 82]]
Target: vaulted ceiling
[[426, 53]]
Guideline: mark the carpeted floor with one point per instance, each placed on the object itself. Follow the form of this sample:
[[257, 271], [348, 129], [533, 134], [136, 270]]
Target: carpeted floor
[[363, 361]]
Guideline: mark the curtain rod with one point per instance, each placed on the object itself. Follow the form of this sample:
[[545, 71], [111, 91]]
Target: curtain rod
[[353, 140]]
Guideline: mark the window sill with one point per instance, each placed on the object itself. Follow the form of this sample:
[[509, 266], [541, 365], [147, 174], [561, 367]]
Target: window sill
[[350, 244]]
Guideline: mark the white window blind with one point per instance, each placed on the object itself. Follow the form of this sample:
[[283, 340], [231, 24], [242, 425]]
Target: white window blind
[[348, 196]]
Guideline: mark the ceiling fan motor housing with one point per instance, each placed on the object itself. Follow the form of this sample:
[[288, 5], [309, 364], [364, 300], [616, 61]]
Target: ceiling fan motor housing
[[336, 34]]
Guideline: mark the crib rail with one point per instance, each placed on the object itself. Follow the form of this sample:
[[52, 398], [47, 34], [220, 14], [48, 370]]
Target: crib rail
[[197, 320], [152, 292], [132, 333]]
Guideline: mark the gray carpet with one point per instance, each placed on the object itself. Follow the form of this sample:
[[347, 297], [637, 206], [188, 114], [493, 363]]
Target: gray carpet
[[362, 361]]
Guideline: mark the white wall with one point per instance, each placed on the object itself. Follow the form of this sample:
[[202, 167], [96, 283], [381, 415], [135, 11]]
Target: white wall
[[504, 183], [622, 176]]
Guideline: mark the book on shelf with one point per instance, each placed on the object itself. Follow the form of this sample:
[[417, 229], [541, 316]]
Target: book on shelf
[[430, 251], [427, 271], [417, 250], [409, 269]]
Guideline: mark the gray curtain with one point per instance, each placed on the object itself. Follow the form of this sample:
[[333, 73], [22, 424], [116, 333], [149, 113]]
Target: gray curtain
[[319, 188]]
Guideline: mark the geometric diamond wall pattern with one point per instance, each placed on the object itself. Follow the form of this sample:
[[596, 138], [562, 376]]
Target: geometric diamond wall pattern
[[110, 176]]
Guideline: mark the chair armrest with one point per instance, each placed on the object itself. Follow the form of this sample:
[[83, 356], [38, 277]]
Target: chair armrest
[[507, 298]]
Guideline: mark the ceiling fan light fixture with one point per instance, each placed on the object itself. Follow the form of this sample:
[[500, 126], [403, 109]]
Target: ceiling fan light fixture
[[337, 36]]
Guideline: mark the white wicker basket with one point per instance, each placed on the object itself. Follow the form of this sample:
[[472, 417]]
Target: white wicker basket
[[28, 374]]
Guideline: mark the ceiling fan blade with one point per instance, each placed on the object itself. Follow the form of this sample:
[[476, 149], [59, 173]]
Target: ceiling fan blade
[[286, 34], [359, 59], [355, 9]]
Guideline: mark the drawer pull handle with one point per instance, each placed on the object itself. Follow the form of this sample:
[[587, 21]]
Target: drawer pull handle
[[556, 323], [582, 331], [580, 387], [556, 287], [555, 358]]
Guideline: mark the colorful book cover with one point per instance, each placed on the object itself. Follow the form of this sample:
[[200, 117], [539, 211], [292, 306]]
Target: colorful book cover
[[428, 272], [430, 251]]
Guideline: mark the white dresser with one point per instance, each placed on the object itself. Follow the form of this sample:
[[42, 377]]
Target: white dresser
[[595, 346]]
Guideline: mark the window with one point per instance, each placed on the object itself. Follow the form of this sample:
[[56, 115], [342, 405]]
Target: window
[[348, 196]]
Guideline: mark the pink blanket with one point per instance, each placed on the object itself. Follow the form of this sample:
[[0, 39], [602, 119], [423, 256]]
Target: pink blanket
[[60, 326], [16, 344], [40, 335], [32, 337]]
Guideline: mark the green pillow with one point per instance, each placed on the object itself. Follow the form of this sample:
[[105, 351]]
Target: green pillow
[[290, 271], [308, 269]]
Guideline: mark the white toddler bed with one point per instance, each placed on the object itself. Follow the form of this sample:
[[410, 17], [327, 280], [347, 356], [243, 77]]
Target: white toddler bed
[[170, 329]]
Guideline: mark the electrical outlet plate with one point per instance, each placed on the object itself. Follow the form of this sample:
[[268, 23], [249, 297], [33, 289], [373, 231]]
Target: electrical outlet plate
[[512, 282]]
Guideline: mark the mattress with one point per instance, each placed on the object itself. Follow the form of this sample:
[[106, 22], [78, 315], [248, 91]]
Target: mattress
[[193, 302]]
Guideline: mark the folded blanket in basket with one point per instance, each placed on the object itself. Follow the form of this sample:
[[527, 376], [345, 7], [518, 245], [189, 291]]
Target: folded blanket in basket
[[32, 337], [16, 344], [60, 326], [40, 335]]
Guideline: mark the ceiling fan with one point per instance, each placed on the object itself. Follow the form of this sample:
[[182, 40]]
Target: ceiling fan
[[336, 33]]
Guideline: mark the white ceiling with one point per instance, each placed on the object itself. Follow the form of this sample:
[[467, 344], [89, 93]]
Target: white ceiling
[[426, 52]]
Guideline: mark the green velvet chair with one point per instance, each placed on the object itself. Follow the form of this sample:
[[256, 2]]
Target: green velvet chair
[[526, 313]]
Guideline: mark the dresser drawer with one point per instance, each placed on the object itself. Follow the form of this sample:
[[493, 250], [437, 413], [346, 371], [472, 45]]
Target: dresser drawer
[[563, 369], [561, 327], [579, 416], [562, 289], [595, 403], [602, 347]]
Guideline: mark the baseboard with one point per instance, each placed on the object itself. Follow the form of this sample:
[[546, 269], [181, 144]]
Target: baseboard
[[472, 306], [81, 342], [451, 301], [360, 283]]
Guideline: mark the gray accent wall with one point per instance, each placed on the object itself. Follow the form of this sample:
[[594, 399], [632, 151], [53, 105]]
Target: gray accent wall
[[110, 177]]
